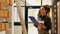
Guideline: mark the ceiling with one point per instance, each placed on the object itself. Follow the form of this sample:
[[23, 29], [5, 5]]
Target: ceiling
[[35, 2]]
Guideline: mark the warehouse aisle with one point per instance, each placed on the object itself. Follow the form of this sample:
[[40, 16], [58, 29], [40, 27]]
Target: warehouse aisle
[[32, 29]]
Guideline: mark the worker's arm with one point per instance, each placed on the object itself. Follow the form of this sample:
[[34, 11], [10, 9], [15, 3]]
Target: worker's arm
[[41, 26]]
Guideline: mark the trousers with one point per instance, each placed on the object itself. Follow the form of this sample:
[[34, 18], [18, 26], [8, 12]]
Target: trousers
[[42, 31]]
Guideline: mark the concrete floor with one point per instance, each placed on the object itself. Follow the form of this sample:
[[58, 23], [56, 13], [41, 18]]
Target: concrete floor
[[17, 30], [3, 32], [32, 29]]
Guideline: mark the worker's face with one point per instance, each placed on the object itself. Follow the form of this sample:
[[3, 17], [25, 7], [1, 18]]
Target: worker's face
[[42, 10]]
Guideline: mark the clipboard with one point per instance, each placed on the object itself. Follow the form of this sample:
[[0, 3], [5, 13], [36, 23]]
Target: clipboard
[[34, 20]]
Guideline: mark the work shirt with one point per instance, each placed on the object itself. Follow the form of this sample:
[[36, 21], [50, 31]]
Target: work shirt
[[46, 21]]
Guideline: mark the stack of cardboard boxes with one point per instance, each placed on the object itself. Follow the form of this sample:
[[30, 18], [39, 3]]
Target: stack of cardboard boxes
[[4, 13]]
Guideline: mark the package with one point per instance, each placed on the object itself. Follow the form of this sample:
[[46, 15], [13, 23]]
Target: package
[[7, 26], [10, 14], [2, 1], [2, 6], [3, 26], [3, 13], [9, 2], [0, 26]]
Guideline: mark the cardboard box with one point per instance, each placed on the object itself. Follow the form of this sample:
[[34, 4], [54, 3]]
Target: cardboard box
[[9, 2], [7, 26], [0, 26], [2, 1], [3, 26], [10, 14], [3, 13], [2, 6]]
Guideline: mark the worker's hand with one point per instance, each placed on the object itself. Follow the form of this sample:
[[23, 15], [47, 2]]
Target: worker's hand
[[41, 26]]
